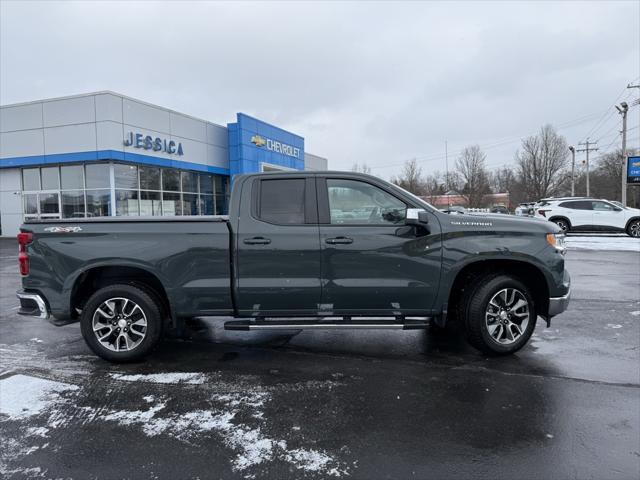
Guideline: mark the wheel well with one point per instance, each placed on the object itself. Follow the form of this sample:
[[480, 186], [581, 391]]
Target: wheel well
[[527, 273], [560, 217], [632, 219], [94, 279]]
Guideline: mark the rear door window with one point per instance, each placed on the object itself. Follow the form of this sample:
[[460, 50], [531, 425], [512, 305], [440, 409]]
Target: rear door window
[[577, 205], [282, 201]]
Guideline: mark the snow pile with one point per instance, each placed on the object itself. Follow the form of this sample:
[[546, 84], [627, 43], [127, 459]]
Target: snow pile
[[612, 242], [22, 396]]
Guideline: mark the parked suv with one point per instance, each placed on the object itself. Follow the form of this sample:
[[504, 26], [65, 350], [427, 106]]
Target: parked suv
[[589, 214]]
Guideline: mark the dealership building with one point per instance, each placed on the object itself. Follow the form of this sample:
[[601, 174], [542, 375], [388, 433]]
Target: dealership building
[[105, 154]]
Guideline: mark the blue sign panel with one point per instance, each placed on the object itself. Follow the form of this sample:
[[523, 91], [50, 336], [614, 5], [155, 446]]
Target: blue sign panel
[[633, 170], [254, 144]]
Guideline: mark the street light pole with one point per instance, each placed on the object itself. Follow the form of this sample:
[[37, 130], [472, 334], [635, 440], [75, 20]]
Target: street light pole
[[622, 110], [573, 171]]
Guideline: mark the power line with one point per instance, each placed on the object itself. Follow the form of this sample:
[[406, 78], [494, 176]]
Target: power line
[[607, 113], [488, 146]]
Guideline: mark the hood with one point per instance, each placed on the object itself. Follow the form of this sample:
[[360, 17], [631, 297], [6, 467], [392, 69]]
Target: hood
[[508, 223]]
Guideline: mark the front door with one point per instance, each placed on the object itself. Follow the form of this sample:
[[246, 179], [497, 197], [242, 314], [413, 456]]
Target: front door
[[606, 215], [278, 248], [372, 263]]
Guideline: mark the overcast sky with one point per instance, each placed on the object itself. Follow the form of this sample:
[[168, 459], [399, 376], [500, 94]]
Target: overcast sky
[[375, 83]]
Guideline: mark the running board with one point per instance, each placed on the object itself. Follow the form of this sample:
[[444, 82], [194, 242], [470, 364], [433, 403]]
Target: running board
[[245, 325]]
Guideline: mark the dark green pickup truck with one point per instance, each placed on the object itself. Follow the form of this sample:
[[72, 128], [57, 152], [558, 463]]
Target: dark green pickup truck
[[298, 250]]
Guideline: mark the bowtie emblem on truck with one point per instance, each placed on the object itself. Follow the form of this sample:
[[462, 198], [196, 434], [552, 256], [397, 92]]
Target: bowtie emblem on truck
[[63, 229]]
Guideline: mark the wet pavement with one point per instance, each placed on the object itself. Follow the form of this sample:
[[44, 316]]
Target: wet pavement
[[365, 404]]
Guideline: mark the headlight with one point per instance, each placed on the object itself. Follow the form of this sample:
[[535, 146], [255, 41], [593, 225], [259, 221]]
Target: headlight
[[557, 241]]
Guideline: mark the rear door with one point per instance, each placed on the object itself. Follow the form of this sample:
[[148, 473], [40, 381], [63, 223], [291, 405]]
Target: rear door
[[278, 247], [372, 263], [579, 212]]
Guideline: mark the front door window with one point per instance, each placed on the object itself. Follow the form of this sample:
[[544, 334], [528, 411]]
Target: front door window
[[352, 202]]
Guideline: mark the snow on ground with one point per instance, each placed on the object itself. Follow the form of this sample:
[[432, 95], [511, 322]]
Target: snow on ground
[[235, 411], [23, 396], [190, 378], [609, 242]]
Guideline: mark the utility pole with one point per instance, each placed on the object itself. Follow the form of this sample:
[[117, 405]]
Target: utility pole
[[573, 171], [622, 110], [446, 163], [587, 149], [446, 178]]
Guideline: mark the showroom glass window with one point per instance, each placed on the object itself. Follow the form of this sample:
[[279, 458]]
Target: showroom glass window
[[98, 183], [72, 191], [126, 186], [123, 189], [150, 190]]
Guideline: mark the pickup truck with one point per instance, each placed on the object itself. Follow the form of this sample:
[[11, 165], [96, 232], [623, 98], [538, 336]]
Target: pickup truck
[[297, 250]]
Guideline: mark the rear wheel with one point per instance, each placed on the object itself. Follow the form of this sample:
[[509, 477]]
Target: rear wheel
[[499, 314], [633, 229], [121, 323], [562, 223]]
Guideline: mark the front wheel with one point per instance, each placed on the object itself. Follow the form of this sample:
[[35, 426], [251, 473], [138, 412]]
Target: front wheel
[[633, 230], [121, 323], [499, 314]]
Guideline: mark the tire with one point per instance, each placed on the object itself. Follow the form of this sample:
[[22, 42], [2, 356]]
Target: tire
[[633, 229], [489, 332], [563, 223], [127, 319]]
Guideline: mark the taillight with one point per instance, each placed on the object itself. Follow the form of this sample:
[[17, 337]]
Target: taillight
[[543, 213], [24, 238]]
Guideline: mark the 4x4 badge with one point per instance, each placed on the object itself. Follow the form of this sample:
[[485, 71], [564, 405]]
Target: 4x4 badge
[[63, 229]]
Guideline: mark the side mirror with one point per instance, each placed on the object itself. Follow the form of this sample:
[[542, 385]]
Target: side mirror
[[416, 216], [617, 209]]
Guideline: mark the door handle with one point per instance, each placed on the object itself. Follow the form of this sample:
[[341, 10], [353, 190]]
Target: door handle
[[256, 241], [339, 241]]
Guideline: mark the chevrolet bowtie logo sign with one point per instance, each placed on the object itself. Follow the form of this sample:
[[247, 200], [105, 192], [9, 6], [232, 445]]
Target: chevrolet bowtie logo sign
[[275, 146], [258, 141]]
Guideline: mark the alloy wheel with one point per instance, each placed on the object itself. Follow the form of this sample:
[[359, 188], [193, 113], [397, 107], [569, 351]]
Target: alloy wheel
[[507, 316], [119, 324], [562, 224], [634, 229]]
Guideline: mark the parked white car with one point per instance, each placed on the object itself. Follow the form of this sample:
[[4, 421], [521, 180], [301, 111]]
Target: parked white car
[[589, 214], [524, 209]]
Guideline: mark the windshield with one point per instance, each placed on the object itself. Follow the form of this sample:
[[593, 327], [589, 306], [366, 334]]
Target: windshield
[[618, 204]]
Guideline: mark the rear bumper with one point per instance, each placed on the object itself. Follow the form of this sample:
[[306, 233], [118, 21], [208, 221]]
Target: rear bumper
[[558, 305], [32, 305]]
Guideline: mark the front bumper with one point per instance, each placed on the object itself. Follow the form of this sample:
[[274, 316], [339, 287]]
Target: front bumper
[[32, 305], [558, 305]]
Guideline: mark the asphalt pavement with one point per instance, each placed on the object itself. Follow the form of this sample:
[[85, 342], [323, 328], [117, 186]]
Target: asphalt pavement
[[332, 404]]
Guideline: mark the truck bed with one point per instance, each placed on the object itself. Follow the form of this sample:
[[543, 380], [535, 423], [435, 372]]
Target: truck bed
[[189, 256]]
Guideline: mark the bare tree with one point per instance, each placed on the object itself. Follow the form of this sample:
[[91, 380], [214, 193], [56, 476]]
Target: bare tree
[[433, 186], [473, 175], [542, 163], [503, 179], [364, 168], [411, 178]]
